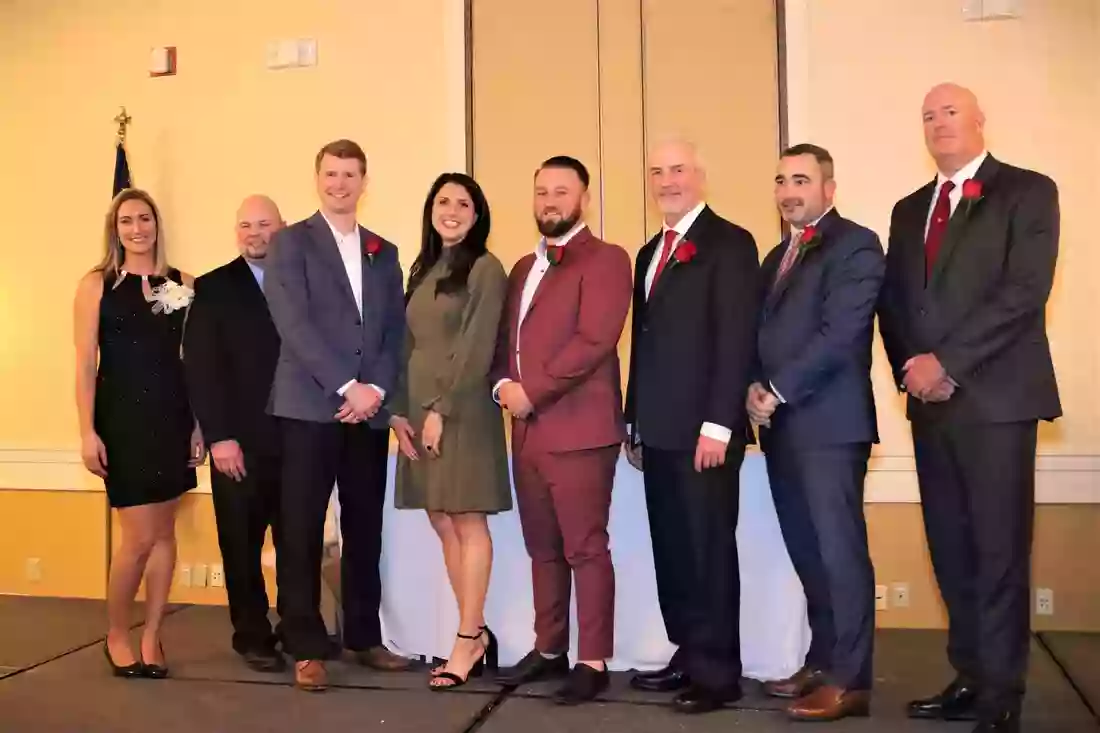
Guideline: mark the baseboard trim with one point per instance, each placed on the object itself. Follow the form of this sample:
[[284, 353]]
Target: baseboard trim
[[1059, 479]]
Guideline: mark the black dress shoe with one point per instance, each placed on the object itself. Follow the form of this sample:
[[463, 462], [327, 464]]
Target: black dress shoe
[[584, 684], [668, 679], [697, 699], [1004, 723], [534, 667], [957, 702], [264, 660]]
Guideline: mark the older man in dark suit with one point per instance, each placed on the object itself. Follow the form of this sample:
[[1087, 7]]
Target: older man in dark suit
[[969, 269], [335, 292], [696, 298], [815, 408], [230, 350]]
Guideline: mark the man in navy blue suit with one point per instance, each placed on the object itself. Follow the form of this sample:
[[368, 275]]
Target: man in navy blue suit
[[813, 404]]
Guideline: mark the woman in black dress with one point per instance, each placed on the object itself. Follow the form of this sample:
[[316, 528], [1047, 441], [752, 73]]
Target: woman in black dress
[[137, 430]]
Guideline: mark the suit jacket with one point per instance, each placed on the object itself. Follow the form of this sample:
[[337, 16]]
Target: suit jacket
[[982, 311], [325, 340], [568, 347], [816, 330], [230, 348], [694, 341]]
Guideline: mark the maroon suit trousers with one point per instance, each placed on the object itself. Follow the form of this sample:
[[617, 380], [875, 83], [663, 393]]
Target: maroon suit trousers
[[564, 500]]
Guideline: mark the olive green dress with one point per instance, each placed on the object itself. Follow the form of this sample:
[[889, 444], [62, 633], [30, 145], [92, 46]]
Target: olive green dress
[[449, 345]]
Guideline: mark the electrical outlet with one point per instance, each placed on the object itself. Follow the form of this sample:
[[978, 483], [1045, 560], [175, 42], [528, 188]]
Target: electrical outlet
[[1044, 601], [881, 604], [901, 595], [217, 576], [198, 576], [184, 573], [34, 569]]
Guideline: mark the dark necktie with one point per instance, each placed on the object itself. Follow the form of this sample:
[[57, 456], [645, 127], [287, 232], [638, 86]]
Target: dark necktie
[[941, 213], [666, 249]]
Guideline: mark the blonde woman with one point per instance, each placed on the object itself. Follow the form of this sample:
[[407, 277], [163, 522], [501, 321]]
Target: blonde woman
[[137, 431]]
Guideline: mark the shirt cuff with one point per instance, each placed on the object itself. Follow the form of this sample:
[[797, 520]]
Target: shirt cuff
[[776, 393], [496, 389], [344, 388], [716, 432], [381, 392]]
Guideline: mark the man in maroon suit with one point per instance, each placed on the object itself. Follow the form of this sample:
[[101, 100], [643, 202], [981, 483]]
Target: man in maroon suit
[[557, 372]]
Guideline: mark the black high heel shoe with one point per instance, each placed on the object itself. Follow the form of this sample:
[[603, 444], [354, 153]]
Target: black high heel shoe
[[130, 670], [475, 671], [156, 671], [491, 657], [492, 642]]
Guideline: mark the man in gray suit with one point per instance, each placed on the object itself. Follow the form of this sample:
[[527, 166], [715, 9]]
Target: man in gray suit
[[335, 293]]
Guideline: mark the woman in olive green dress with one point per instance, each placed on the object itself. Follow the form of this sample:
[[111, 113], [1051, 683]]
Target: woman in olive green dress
[[453, 461]]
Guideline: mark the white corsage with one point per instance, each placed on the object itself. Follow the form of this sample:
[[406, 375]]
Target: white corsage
[[171, 296]]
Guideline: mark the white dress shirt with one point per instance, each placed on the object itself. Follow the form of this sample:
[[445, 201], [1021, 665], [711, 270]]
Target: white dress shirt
[[795, 241], [531, 285], [351, 252], [257, 272], [968, 171]]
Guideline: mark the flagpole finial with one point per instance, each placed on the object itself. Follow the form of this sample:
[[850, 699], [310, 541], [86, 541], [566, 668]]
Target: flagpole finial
[[122, 120]]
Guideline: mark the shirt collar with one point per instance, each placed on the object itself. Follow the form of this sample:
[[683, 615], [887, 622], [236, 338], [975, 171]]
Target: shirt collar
[[813, 223], [336, 232], [257, 270], [968, 171], [681, 227], [541, 250]]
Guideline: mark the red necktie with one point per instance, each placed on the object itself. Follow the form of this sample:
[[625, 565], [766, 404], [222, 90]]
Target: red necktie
[[941, 213], [789, 256], [666, 249]]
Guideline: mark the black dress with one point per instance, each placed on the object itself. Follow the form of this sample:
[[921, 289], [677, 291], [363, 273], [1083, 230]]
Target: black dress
[[142, 412]]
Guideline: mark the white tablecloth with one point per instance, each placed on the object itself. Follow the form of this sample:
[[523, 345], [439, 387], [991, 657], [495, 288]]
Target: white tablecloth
[[420, 617]]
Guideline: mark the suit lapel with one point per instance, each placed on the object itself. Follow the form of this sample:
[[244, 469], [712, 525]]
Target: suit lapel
[[329, 253], [371, 288], [957, 225], [775, 294], [696, 233], [251, 294], [574, 248]]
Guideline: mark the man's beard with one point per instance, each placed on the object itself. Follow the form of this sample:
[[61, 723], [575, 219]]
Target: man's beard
[[255, 253], [555, 229]]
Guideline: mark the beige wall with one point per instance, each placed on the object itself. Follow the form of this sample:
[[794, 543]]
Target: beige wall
[[389, 76], [858, 73], [223, 128]]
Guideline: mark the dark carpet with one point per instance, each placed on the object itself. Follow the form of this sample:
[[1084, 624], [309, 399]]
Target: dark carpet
[[61, 683]]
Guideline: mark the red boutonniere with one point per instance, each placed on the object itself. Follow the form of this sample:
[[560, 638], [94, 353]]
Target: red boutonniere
[[972, 193], [554, 254], [372, 247], [685, 252], [810, 239]]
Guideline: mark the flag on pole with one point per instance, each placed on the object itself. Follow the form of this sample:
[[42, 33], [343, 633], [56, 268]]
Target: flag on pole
[[122, 169]]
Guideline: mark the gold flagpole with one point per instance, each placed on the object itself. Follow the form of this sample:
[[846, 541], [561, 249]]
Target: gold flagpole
[[122, 120]]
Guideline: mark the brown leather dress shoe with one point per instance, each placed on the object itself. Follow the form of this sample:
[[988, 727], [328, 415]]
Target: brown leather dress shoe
[[382, 659], [310, 675], [800, 684], [831, 703]]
